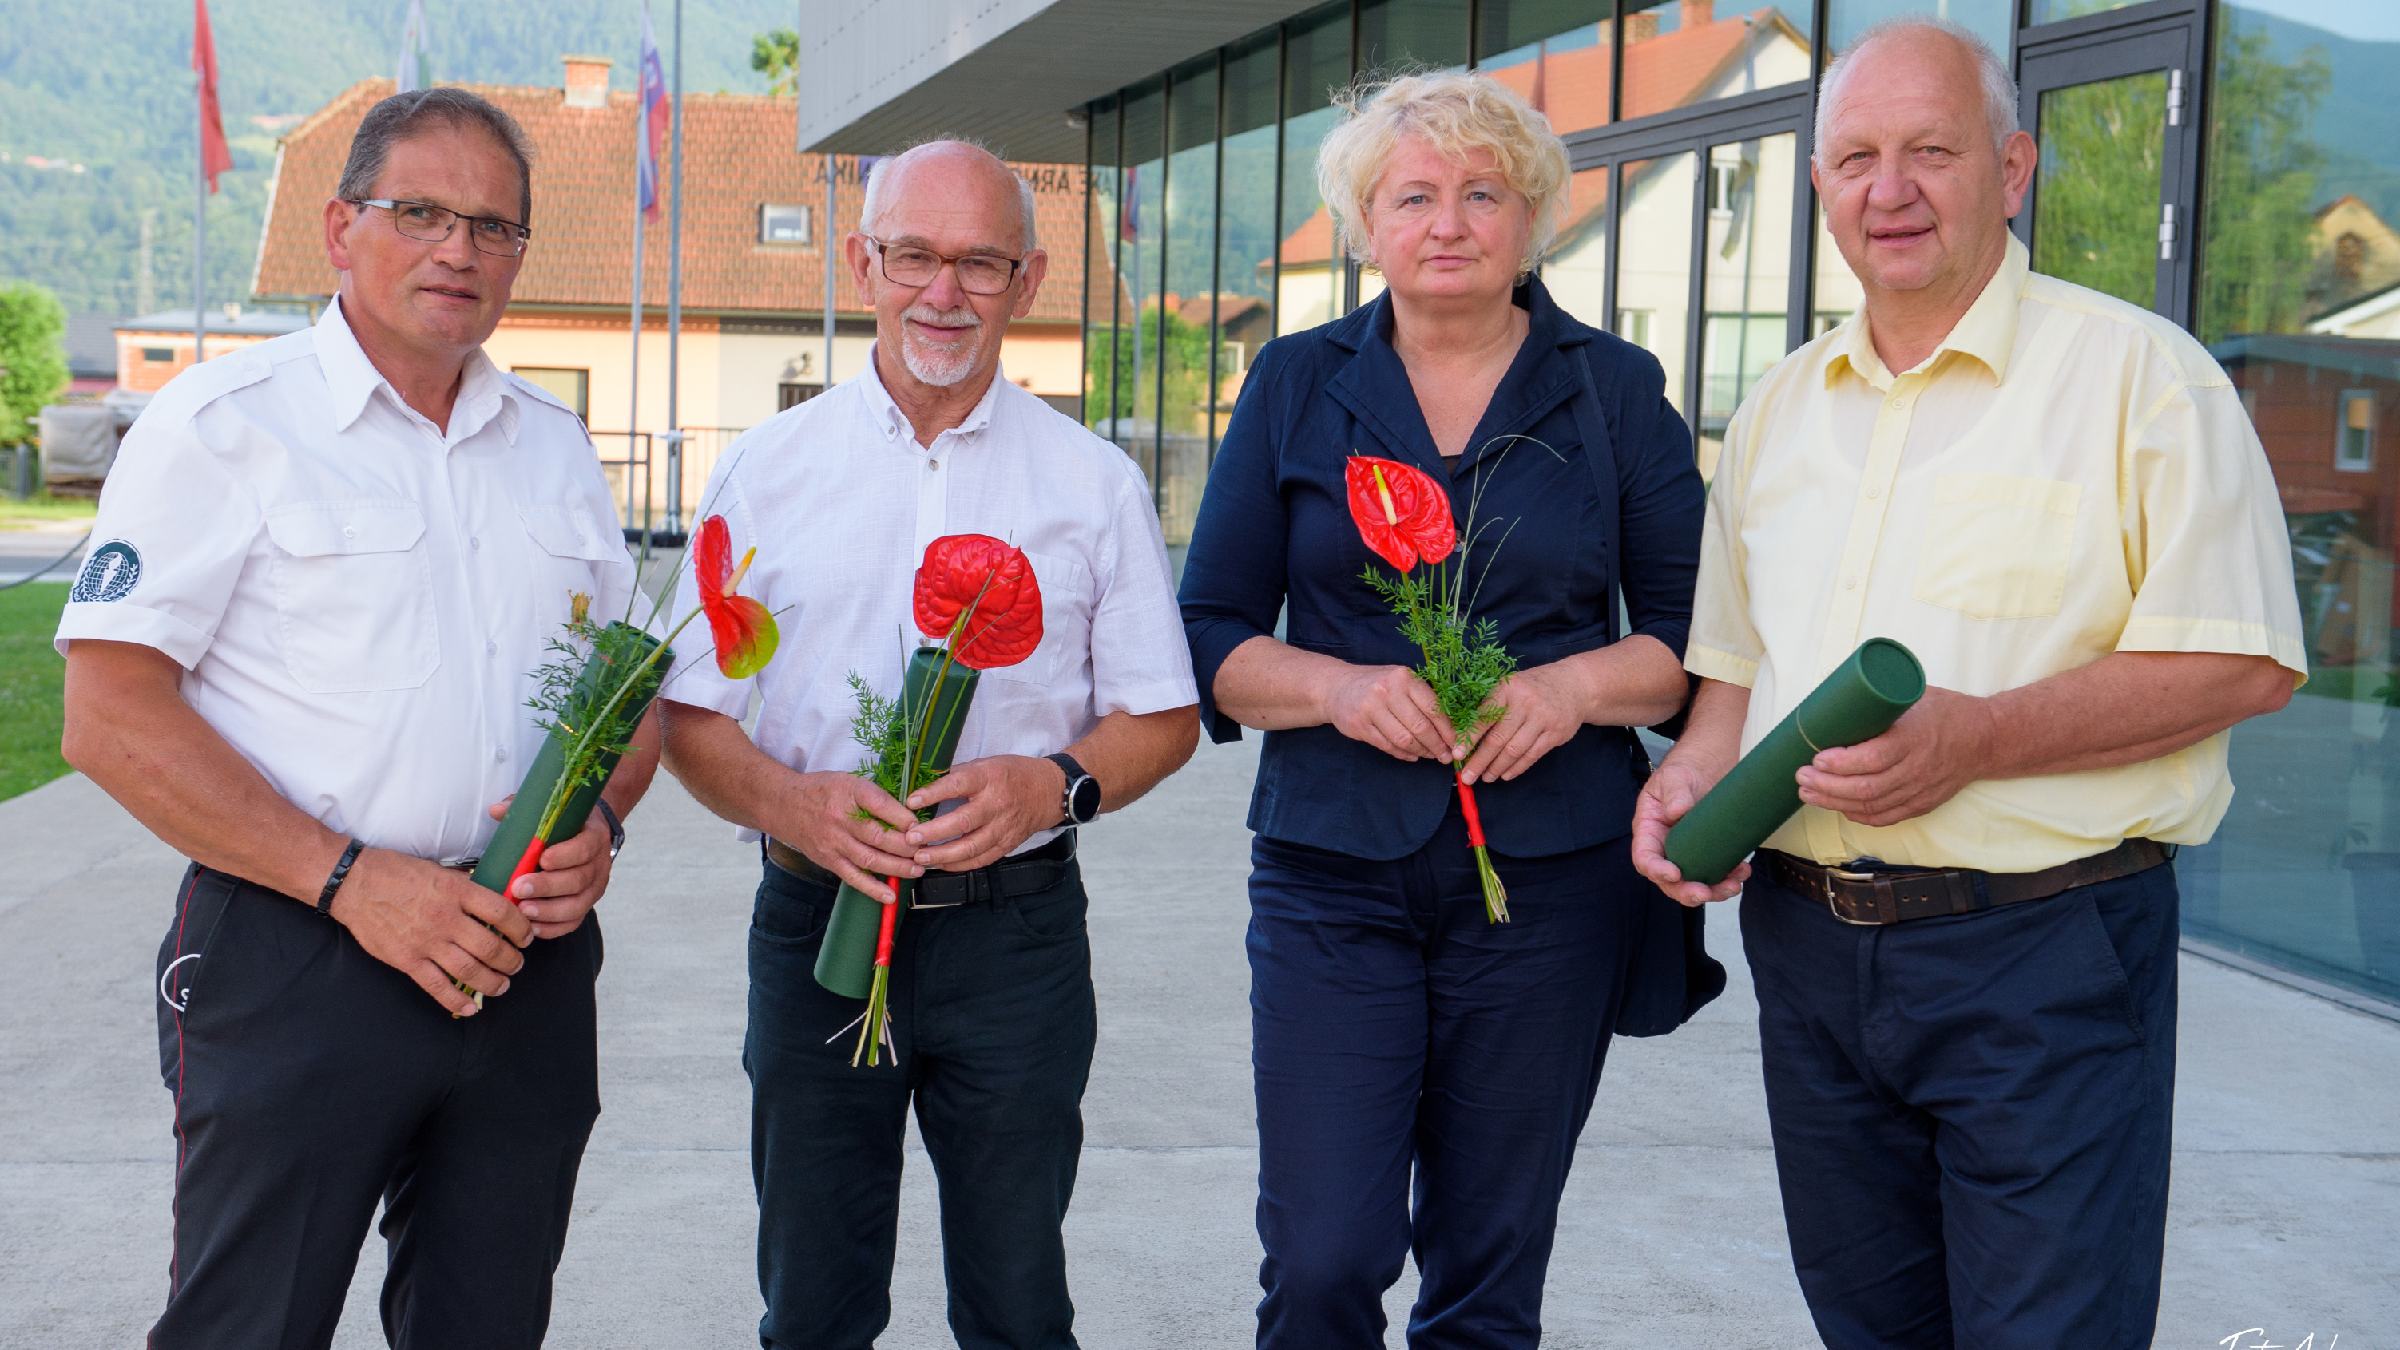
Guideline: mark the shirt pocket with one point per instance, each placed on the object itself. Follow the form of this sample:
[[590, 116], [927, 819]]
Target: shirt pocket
[[1997, 546], [1067, 602], [353, 596], [576, 548]]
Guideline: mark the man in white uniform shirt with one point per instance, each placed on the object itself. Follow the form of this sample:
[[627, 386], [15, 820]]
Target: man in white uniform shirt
[[301, 657], [992, 1004]]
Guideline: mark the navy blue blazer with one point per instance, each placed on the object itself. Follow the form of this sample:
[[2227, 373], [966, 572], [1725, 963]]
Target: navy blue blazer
[[1603, 502], [1607, 506]]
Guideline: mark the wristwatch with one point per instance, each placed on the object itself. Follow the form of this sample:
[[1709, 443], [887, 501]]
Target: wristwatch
[[616, 827], [1081, 801]]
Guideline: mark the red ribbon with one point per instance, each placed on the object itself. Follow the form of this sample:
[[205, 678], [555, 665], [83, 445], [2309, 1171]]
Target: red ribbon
[[526, 866], [891, 915], [1466, 807]]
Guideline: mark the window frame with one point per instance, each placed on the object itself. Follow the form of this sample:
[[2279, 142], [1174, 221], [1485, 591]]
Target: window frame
[[2344, 459]]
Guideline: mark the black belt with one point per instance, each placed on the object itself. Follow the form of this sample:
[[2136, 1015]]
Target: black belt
[[1898, 895], [1036, 869]]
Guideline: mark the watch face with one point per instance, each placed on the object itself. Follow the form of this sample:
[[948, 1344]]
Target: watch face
[[1084, 801]]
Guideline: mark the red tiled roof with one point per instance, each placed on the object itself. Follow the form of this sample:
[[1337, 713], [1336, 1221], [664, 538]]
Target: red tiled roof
[[740, 156], [1662, 73]]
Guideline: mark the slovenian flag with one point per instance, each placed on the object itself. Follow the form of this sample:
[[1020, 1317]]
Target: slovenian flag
[[651, 127], [411, 71]]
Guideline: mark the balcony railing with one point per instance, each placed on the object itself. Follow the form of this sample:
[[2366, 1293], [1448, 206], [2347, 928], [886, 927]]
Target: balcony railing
[[658, 478]]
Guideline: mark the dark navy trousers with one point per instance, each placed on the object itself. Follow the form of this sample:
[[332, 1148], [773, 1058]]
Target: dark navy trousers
[[312, 1081], [1971, 1115], [995, 1023], [1422, 1076]]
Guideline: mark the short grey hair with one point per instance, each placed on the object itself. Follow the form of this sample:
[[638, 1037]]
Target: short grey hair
[[870, 214], [404, 115], [1999, 86]]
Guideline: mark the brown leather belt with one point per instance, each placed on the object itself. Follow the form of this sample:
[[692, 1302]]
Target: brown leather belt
[[1896, 895], [1036, 869]]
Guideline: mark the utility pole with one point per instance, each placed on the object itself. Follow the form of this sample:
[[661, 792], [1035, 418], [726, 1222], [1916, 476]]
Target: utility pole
[[145, 285]]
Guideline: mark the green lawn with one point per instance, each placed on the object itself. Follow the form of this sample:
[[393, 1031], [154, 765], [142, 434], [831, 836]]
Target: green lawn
[[42, 508], [32, 683]]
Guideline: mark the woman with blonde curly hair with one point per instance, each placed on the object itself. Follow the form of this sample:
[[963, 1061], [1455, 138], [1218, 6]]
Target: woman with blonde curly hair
[[1422, 1073]]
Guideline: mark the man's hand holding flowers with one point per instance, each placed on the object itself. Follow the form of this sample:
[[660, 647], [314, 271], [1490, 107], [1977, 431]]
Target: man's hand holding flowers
[[1004, 800], [433, 925], [573, 876], [824, 820]]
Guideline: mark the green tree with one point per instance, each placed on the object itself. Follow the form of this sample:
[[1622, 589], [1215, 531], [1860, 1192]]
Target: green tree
[[776, 55], [1136, 395], [2096, 210], [2262, 185], [33, 357]]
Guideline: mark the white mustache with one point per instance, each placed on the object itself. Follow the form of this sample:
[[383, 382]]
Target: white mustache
[[962, 317]]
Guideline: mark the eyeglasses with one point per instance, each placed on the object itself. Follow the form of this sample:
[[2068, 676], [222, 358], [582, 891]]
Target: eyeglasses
[[432, 224], [978, 273]]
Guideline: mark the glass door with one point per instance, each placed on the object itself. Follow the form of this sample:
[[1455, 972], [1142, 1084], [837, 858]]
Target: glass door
[[2111, 202], [1681, 238]]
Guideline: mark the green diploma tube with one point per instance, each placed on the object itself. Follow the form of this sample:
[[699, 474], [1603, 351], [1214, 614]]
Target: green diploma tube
[[934, 703], [600, 675], [1858, 702]]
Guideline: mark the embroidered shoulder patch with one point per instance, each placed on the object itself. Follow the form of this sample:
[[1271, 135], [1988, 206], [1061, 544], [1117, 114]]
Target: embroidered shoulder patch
[[109, 574]]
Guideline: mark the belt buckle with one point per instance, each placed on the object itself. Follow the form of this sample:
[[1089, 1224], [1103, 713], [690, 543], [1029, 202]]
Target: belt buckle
[[1832, 905], [966, 887]]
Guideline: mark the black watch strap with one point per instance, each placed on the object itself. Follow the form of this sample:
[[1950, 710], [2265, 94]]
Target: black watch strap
[[616, 827], [1081, 800]]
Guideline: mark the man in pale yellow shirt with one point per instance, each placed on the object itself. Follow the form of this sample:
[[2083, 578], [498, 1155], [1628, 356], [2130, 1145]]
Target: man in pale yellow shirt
[[1964, 943]]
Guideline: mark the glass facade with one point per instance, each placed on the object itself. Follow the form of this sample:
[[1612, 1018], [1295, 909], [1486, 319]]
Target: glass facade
[[2252, 193], [1678, 53], [1991, 20], [2299, 299], [1554, 52], [1398, 35], [1309, 271], [1186, 315]]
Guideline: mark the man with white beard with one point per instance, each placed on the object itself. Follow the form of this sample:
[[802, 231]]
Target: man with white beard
[[993, 1015]]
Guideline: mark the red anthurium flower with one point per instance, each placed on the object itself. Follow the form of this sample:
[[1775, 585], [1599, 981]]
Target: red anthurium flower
[[743, 629], [1400, 511], [982, 595]]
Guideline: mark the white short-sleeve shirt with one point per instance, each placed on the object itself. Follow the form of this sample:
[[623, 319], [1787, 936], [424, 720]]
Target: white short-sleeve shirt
[[358, 598], [841, 502]]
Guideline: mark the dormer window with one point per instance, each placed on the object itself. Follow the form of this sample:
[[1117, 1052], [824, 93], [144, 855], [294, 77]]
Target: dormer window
[[782, 224]]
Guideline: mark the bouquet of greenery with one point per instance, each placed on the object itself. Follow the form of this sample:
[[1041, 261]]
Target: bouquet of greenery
[[1404, 516], [594, 691], [980, 605]]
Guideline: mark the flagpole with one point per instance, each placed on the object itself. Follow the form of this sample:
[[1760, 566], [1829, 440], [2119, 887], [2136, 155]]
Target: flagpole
[[675, 288], [199, 215], [825, 375], [633, 406]]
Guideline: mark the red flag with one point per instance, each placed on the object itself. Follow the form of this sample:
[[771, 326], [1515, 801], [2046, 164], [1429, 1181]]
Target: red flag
[[215, 156]]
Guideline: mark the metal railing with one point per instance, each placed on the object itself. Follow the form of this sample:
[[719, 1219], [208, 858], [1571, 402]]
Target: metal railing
[[657, 478]]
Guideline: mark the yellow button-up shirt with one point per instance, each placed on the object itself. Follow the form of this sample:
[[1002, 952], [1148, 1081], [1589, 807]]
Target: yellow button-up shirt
[[2064, 477]]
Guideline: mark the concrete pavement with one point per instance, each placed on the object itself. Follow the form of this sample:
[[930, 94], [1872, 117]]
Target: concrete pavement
[[51, 548], [2287, 1170]]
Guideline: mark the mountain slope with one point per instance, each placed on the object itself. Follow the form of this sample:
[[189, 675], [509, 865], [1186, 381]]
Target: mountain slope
[[96, 113]]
